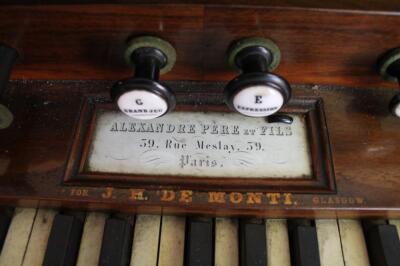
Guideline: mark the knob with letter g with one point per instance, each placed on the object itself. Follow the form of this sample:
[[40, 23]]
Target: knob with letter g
[[143, 96]]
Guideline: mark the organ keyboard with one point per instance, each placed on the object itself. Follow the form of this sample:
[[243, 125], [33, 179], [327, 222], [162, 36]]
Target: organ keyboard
[[53, 237]]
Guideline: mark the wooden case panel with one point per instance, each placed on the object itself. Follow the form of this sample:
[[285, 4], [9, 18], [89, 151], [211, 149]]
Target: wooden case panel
[[322, 179], [319, 46], [364, 140]]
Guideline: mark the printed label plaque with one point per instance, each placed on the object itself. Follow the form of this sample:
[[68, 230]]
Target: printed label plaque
[[199, 144], [207, 148]]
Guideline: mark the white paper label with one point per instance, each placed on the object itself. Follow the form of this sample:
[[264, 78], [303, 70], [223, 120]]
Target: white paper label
[[199, 144], [258, 101], [141, 104]]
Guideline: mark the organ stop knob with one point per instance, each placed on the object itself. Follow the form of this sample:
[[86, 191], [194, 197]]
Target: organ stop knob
[[143, 96], [256, 92], [394, 105], [8, 55], [389, 69]]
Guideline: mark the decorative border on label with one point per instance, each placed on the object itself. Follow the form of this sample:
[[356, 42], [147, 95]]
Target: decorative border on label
[[322, 180]]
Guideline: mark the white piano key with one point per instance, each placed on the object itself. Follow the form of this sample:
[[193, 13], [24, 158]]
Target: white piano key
[[89, 250], [145, 240], [278, 252], [226, 242], [396, 222], [353, 243], [38, 240], [17, 237], [172, 241], [330, 248]]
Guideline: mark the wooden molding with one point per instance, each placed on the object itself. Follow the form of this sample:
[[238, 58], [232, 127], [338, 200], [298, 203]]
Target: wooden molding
[[321, 181]]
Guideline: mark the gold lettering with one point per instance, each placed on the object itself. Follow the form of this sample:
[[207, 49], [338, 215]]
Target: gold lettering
[[359, 200], [287, 199], [185, 196], [167, 195], [137, 194], [79, 192], [235, 197], [108, 193], [338, 200], [273, 198], [218, 197], [253, 198]]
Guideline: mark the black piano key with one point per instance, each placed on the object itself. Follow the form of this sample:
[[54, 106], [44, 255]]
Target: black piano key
[[199, 242], [252, 237], [303, 243], [117, 241], [5, 220], [382, 243], [65, 237]]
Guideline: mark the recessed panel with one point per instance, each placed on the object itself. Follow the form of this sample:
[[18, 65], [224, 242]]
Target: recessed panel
[[198, 144], [201, 148]]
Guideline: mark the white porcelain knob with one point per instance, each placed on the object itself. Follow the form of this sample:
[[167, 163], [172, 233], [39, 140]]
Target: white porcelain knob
[[142, 104], [396, 110], [258, 101]]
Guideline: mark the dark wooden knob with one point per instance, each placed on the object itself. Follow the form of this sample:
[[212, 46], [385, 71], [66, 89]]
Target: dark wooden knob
[[8, 55], [389, 69], [143, 96], [256, 92]]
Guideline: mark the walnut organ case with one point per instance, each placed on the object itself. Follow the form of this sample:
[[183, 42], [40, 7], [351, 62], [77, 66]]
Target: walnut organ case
[[272, 115]]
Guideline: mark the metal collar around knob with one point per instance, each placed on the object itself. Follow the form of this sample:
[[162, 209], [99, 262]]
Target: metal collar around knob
[[143, 96], [256, 92]]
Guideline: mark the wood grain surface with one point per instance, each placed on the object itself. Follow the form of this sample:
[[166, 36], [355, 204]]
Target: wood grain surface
[[363, 136], [320, 180], [318, 45], [374, 5]]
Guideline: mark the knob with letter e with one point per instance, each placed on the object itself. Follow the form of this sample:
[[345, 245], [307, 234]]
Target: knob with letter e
[[256, 92], [143, 96]]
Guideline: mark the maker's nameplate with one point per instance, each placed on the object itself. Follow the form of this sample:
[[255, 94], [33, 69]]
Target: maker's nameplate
[[199, 144]]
